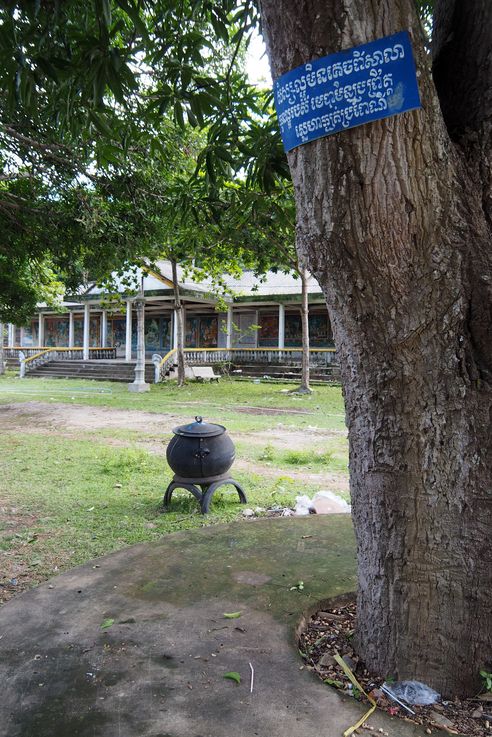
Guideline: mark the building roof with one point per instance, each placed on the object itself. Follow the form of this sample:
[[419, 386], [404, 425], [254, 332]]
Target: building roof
[[246, 288], [245, 285]]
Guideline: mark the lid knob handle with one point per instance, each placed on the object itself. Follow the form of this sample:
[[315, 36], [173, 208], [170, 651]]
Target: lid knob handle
[[198, 418]]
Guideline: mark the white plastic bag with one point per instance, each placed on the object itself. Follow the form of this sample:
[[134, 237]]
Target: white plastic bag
[[413, 692], [326, 502], [303, 504]]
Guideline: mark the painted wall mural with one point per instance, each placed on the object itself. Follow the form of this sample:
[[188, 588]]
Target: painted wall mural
[[94, 331], [319, 331], [157, 334], [245, 336], [29, 335], [117, 334], [56, 331], [268, 333], [191, 332], [209, 331], [201, 332]]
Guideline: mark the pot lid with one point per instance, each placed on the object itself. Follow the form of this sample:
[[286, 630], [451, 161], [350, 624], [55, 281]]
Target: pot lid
[[199, 429]]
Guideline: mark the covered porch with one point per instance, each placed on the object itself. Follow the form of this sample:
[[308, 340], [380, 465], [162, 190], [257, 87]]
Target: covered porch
[[257, 322], [92, 327]]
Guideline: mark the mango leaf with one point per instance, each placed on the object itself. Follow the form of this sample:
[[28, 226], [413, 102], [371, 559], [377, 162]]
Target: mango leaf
[[233, 676], [232, 615], [178, 114], [106, 623]]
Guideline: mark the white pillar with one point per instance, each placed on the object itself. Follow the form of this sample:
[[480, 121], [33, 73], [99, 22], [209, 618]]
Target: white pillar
[[281, 326], [21, 337], [229, 328], [11, 335], [139, 385], [128, 338], [71, 331], [85, 342], [40, 329], [104, 328]]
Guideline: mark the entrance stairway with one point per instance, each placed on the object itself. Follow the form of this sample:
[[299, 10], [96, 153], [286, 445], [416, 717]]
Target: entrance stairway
[[101, 370], [95, 370], [285, 372]]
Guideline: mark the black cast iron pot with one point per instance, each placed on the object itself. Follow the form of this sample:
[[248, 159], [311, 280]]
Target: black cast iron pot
[[200, 451]]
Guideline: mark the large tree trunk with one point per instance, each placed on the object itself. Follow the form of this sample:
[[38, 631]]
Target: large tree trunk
[[178, 307], [393, 218]]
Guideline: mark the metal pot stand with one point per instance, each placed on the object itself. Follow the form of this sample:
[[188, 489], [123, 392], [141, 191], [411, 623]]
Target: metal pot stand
[[203, 494], [201, 455]]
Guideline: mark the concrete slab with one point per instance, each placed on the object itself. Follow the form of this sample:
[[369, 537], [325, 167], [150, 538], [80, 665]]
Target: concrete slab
[[158, 670]]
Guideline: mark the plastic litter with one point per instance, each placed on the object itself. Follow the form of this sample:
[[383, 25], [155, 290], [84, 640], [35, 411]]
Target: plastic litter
[[341, 662], [324, 502], [303, 505], [412, 692], [392, 696]]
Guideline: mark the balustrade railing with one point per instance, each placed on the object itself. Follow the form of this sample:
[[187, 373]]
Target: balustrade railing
[[35, 360], [67, 354], [166, 365], [14, 352], [318, 357]]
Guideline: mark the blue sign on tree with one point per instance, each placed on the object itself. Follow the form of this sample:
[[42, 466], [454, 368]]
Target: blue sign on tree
[[347, 89]]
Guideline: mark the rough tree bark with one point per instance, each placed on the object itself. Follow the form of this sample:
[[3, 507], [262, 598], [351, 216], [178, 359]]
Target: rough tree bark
[[394, 219], [178, 307]]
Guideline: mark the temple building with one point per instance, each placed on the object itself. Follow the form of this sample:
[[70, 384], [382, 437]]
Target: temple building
[[253, 313]]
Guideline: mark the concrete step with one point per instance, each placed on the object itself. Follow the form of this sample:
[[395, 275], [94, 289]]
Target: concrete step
[[322, 373], [93, 377], [95, 370]]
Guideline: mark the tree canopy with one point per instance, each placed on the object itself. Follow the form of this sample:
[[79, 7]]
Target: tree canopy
[[101, 103]]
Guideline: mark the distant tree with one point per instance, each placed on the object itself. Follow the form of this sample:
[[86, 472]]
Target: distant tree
[[91, 92]]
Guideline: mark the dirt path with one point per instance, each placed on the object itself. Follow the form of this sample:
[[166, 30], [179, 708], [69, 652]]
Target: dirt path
[[83, 417]]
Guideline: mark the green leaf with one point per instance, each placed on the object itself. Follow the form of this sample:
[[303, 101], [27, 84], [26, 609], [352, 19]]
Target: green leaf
[[100, 124], [333, 682], [114, 81], [192, 118], [134, 14], [232, 615], [47, 68], [178, 114], [220, 28], [233, 676], [106, 623]]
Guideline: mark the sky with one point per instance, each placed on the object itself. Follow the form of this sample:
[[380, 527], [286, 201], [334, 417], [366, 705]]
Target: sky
[[257, 65]]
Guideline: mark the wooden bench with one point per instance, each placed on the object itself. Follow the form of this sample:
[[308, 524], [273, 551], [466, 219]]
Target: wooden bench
[[204, 373]]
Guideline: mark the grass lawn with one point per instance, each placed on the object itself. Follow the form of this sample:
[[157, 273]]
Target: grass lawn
[[82, 480]]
